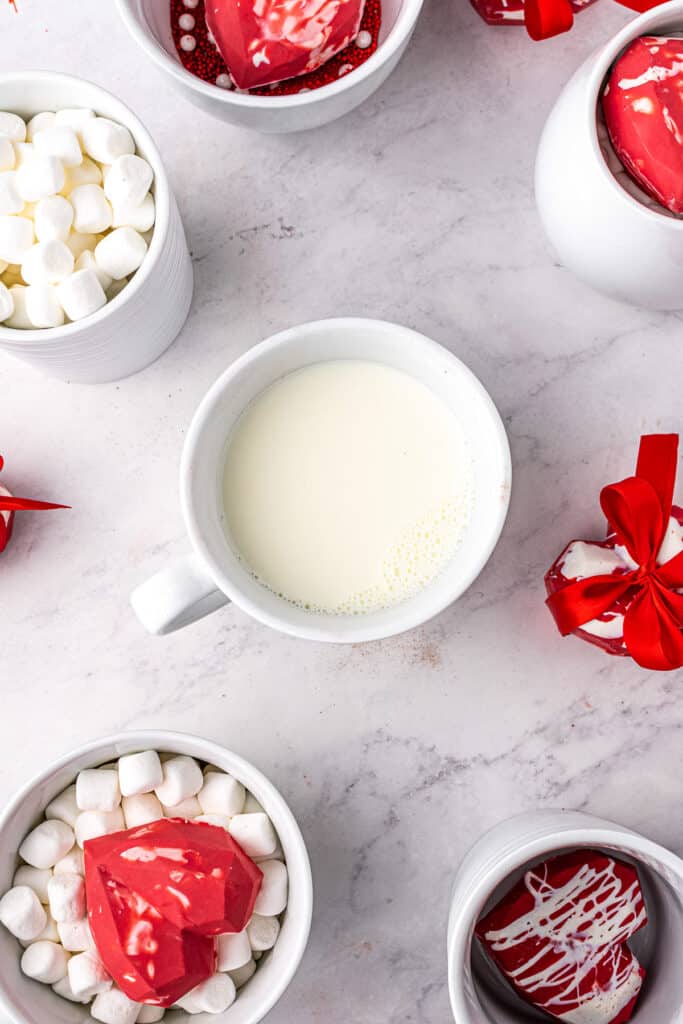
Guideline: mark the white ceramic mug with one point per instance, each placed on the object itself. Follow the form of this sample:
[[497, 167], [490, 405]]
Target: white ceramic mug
[[213, 573], [605, 236], [478, 992]]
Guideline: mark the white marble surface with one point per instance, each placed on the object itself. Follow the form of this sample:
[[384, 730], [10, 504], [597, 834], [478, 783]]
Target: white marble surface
[[396, 755]]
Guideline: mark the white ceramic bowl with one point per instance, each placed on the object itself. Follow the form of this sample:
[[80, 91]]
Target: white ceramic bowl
[[605, 236], [28, 1002], [478, 992], [213, 573], [132, 330], [149, 23]]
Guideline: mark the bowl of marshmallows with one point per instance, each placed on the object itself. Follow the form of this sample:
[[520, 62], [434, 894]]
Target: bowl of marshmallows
[[147, 876], [95, 274]]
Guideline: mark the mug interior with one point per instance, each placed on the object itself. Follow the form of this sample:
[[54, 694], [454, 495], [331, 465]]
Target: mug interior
[[376, 341], [30, 1002]]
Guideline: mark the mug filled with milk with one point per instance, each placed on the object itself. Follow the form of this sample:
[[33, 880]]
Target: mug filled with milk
[[344, 480]]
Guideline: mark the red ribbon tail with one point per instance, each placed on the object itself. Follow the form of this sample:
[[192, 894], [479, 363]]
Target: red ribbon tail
[[640, 5], [652, 631], [546, 18], [579, 602], [8, 503]]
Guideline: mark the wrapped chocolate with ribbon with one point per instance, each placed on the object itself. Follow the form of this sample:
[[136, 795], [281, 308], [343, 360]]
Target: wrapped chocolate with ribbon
[[625, 594], [9, 504], [544, 18]]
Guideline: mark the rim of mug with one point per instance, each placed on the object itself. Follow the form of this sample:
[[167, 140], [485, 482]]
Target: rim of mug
[[362, 631], [463, 919], [398, 34], [605, 59], [162, 203]]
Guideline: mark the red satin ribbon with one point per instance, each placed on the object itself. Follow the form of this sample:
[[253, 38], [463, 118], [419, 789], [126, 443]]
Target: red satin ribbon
[[638, 511], [546, 18], [10, 503]]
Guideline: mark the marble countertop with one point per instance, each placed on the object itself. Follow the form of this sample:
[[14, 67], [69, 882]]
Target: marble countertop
[[395, 756]]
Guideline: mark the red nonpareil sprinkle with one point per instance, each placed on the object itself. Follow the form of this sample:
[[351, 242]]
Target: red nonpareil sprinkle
[[206, 63]]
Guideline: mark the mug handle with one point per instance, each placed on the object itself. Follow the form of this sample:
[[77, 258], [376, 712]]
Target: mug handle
[[177, 596]]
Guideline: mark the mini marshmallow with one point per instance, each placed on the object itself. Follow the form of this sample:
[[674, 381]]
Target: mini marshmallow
[[60, 141], [45, 961], [119, 254], [63, 989], [47, 263], [16, 238], [241, 975], [75, 936], [91, 824], [19, 319], [34, 878], [233, 950], [140, 217], [39, 177], [64, 807], [12, 126], [272, 896], [87, 173], [49, 933], [75, 118], [72, 864], [10, 200], [80, 295], [128, 180], [140, 810], [219, 820], [221, 794], [150, 1014], [53, 218], [42, 306], [22, 913], [214, 995], [188, 809], [92, 212], [140, 773], [7, 156], [97, 789], [6, 303], [182, 775], [46, 844], [87, 975], [23, 151], [86, 261], [39, 123], [254, 833], [252, 806], [80, 243], [263, 932], [104, 140], [114, 1007], [67, 897]]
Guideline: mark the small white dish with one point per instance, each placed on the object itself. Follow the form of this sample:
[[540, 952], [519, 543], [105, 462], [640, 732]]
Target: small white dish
[[28, 1002], [478, 992], [213, 574], [149, 22]]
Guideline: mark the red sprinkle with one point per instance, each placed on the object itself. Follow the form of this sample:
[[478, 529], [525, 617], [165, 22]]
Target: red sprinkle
[[206, 62]]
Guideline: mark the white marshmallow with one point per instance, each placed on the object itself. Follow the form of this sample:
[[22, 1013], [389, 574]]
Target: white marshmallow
[[75, 936], [242, 974], [219, 820], [233, 950], [272, 896], [45, 961], [10, 200], [16, 238], [46, 844], [7, 155], [12, 126], [91, 824], [252, 806], [80, 243], [114, 1007], [92, 212], [221, 794], [263, 932], [86, 261], [72, 864], [6, 303], [22, 913], [119, 254], [38, 123], [140, 773], [53, 218], [23, 151], [64, 806], [214, 995], [19, 319], [34, 878], [140, 217], [60, 141], [150, 1014], [87, 975], [63, 989], [49, 932], [42, 305], [97, 789], [254, 833], [47, 263], [140, 810], [128, 180], [75, 118], [104, 140], [188, 809], [67, 897], [80, 295], [87, 173], [182, 775], [39, 177]]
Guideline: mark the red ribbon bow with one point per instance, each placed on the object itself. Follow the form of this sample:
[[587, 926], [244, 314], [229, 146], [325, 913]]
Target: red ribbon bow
[[8, 503], [546, 18], [638, 511]]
